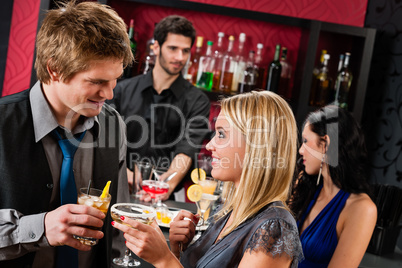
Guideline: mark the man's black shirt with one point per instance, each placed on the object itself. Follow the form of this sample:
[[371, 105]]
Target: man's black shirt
[[161, 126]]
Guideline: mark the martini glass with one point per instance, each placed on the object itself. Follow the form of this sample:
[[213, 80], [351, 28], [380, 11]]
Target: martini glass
[[208, 198], [155, 189], [141, 213]]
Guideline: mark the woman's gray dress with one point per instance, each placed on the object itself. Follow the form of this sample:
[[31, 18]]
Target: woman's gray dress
[[273, 231]]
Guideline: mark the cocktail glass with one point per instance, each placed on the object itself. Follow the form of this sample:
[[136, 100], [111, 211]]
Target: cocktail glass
[[141, 213], [208, 198], [155, 189], [92, 199]]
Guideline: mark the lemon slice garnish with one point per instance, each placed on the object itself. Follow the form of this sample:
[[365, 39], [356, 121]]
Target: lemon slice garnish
[[105, 191], [198, 174], [194, 193]]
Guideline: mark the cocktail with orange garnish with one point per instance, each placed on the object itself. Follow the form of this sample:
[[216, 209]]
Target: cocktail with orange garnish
[[93, 198], [202, 195]]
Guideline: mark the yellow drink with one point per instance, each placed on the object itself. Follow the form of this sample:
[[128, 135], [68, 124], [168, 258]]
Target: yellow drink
[[92, 199], [136, 212], [208, 186]]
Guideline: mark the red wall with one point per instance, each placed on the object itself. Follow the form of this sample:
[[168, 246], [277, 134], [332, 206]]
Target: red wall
[[25, 17], [348, 12], [21, 46], [208, 25]]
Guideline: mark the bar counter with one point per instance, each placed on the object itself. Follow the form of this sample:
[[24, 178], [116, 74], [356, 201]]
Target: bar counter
[[393, 260]]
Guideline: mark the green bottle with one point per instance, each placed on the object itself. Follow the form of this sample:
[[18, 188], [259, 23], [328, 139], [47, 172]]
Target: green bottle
[[343, 83], [274, 71], [206, 67]]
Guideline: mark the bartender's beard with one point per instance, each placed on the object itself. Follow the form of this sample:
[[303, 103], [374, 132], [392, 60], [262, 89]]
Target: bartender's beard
[[164, 64]]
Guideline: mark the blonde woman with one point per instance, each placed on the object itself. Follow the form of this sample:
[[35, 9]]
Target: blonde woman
[[254, 154]]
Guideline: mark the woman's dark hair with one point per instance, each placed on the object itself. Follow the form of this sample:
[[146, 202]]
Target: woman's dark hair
[[176, 25], [346, 156]]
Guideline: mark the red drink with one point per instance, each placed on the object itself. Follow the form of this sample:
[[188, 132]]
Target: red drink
[[155, 188]]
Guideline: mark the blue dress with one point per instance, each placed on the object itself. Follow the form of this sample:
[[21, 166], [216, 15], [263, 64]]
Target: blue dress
[[319, 239]]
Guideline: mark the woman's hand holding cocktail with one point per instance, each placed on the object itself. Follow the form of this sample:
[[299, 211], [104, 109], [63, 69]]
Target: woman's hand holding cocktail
[[147, 242], [182, 231]]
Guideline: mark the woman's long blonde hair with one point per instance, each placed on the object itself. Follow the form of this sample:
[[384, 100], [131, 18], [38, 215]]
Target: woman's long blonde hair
[[270, 131]]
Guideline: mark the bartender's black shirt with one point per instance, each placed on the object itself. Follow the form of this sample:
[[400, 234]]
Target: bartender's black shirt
[[161, 126]]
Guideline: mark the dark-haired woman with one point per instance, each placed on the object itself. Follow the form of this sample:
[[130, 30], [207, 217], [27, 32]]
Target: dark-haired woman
[[335, 214]]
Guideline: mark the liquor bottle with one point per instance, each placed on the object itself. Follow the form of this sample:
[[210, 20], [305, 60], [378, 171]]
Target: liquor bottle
[[260, 69], [286, 74], [249, 78], [150, 42], [340, 63], [205, 69], [332, 93], [342, 84], [132, 69], [218, 58], [194, 62], [149, 62], [274, 71], [322, 84], [316, 70], [240, 62], [228, 68]]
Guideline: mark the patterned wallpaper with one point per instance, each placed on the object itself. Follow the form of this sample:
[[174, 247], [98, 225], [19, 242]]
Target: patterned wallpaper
[[208, 26], [383, 114], [25, 16], [350, 12], [21, 46]]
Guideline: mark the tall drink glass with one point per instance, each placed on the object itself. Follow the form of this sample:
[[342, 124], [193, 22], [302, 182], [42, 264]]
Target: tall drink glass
[[92, 199], [142, 171]]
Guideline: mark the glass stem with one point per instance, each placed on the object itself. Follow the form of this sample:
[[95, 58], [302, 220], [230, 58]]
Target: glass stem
[[201, 220], [158, 202], [127, 255]]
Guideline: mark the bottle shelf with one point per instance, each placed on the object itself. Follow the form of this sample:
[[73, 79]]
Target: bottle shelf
[[336, 38]]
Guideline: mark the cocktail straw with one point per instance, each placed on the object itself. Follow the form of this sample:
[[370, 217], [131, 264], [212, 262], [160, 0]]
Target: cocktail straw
[[89, 186]]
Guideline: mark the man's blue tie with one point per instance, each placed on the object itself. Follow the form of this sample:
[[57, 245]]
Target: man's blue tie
[[67, 256]]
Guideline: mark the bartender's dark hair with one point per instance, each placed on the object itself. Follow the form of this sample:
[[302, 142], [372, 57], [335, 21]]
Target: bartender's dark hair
[[174, 24], [346, 156]]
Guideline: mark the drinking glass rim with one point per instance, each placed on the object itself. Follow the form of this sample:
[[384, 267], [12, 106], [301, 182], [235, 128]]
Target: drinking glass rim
[[152, 212], [83, 191], [152, 183], [144, 163]]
